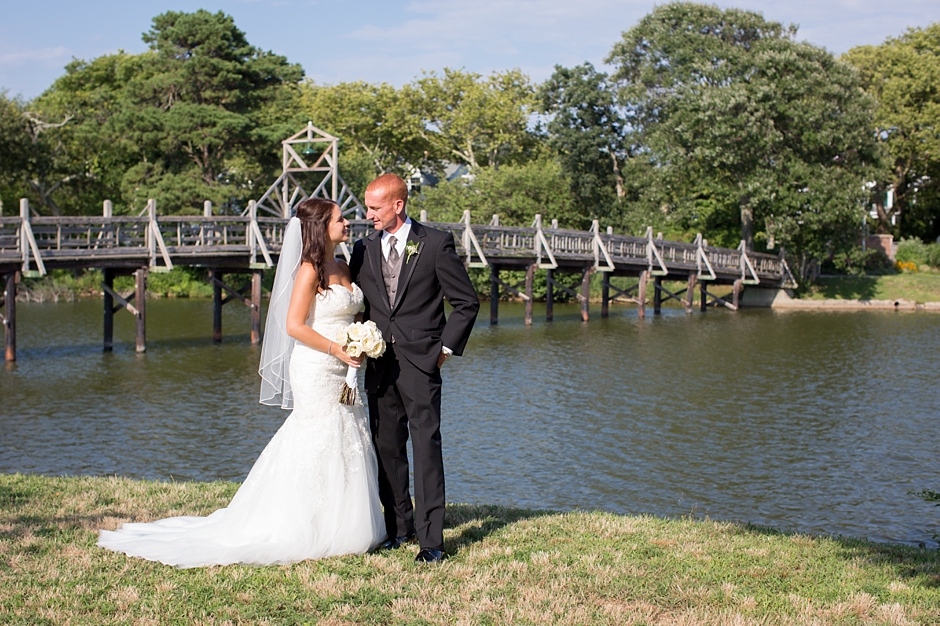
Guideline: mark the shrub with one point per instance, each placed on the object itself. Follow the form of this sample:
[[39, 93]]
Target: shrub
[[933, 255], [858, 262], [911, 250]]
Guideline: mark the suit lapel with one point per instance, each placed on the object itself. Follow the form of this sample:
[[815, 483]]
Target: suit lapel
[[408, 266], [374, 258]]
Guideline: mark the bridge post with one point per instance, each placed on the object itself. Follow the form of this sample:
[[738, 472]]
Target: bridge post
[[641, 294], [657, 295], [736, 293], [9, 320], [494, 295], [690, 293], [549, 295], [216, 278], [529, 277], [605, 294], [108, 310], [703, 294], [586, 292], [256, 277], [141, 276]]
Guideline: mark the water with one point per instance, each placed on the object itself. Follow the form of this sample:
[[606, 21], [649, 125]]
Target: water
[[816, 422]]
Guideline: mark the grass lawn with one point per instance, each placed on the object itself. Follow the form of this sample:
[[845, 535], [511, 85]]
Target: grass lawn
[[508, 566], [916, 286]]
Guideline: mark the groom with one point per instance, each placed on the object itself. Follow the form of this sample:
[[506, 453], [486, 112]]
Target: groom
[[406, 271]]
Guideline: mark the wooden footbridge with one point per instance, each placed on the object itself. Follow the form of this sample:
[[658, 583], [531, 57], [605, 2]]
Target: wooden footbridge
[[250, 243]]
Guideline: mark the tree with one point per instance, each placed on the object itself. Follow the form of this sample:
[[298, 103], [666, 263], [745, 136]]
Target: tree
[[741, 118], [903, 75], [193, 111], [371, 120], [467, 119], [591, 135], [15, 149], [86, 159], [514, 192]]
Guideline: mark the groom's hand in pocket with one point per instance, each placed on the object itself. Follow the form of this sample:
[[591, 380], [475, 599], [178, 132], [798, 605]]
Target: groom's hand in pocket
[[441, 358]]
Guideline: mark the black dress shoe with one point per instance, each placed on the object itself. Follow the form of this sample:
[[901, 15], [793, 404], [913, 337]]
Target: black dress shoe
[[397, 542], [430, 555]]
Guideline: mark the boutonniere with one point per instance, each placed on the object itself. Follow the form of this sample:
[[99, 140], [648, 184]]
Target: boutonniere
[[411, 248]]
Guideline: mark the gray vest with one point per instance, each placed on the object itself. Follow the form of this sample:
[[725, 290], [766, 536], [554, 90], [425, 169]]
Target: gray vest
[[391, 273]]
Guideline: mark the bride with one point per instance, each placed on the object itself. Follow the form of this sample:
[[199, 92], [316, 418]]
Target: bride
[[313, 492]]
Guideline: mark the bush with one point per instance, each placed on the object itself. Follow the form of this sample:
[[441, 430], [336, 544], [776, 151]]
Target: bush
[[933, 255], [859, 262], [181, 282], [911, 250]]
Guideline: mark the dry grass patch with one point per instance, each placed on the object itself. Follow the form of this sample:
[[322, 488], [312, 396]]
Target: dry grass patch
[[508, 566]]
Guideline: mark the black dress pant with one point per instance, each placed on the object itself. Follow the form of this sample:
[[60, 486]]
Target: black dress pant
[[409, 400]]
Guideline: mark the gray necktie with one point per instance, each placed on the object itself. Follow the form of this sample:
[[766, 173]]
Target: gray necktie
[[393, 250]]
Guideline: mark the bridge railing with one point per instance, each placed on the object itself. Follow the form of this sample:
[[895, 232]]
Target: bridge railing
[[156, 240]]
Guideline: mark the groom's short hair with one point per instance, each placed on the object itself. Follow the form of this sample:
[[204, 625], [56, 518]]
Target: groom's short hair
[[391, 184]]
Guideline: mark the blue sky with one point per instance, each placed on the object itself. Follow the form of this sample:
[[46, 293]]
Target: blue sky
[[393, 41]]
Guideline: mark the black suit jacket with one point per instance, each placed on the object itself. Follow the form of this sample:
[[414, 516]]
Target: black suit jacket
[[417, 317]]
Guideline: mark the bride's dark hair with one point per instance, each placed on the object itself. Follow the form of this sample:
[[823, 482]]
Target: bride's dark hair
[[315, 215]]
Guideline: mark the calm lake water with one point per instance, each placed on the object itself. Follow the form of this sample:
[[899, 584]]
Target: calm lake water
[[816, 422]]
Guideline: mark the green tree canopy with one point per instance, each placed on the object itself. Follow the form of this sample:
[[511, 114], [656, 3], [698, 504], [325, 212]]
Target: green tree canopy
[[377, 132], [591, 135], [85, 161], [193, 107], [15, 150], [467, 119], [748, 128], [514, 192], [903, 74]]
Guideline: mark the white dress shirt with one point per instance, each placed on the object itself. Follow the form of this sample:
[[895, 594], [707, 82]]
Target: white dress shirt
[[401, 238]]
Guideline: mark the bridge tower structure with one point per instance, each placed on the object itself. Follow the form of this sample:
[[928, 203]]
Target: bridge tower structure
[[309, 157]]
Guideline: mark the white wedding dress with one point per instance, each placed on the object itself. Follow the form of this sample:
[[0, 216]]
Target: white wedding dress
[[312, 493]]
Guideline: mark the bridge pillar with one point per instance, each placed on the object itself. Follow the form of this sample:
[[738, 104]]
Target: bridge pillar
[[736, 293], [108, 309], [657, 295], [586, 293], [549, 295], [605, 294], [215, 276], [641, 294], [690, 294], [141, 276], [703, 294], [256, 278], [494, 295], [529, 277], [9, 319]]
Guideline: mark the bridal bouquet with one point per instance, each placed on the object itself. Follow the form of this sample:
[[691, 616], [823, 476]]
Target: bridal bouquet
[[359, 338]]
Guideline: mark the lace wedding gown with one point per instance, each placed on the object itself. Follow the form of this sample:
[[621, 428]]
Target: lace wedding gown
[[312, 493]]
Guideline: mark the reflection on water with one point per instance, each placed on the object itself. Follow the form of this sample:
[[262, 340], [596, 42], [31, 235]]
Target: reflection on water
[[819, 422]]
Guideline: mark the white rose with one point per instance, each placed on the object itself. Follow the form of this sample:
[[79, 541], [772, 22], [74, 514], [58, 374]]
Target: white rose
[[370, 325], [379, 349], [354, 349], [356, 332], [368, 344], [342, 338]]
